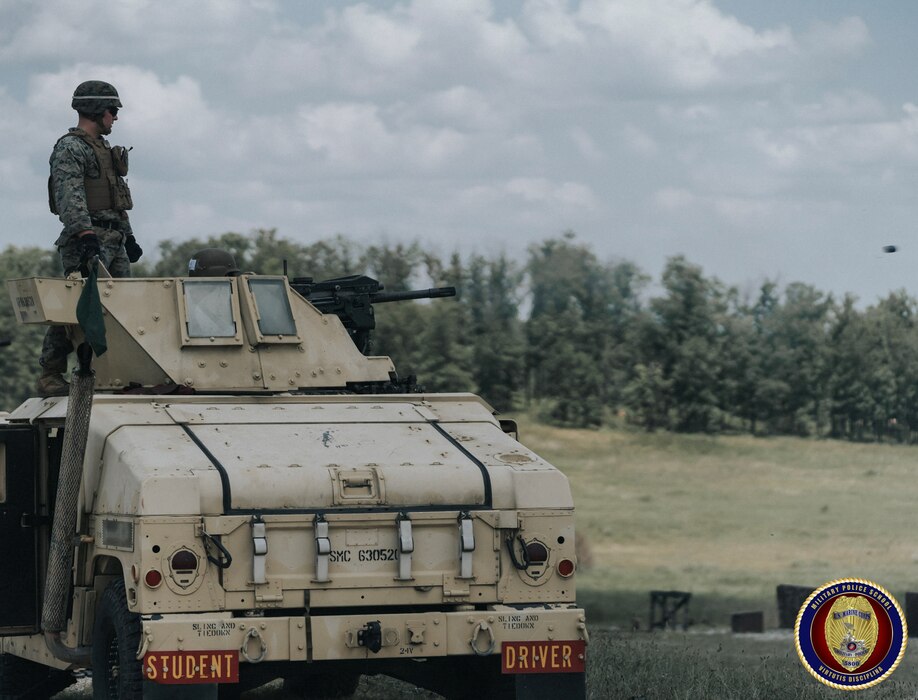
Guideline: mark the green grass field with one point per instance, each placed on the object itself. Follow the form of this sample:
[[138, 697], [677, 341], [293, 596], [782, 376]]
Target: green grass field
[[727, 519], [730, 518]]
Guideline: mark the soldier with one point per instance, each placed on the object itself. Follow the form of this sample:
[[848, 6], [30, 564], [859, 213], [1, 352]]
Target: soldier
[[88, 192]]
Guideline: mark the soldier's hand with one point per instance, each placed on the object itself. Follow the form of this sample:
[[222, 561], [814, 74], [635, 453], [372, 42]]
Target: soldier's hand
[[132, 248], [89, 247]]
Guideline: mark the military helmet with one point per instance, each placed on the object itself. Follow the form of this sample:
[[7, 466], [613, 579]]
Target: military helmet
[[212, 262], [93, 97]]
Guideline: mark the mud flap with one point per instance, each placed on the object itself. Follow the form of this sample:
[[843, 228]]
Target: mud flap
[[550, 686], [162, 691]]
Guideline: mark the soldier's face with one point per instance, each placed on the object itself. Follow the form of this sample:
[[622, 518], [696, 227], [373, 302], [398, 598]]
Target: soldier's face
[[107, 120]]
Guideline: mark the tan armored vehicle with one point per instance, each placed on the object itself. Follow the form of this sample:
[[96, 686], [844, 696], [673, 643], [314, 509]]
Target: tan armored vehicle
[[238, 494]]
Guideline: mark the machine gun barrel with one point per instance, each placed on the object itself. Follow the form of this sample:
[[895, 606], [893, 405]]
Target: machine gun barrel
[[432, 293]]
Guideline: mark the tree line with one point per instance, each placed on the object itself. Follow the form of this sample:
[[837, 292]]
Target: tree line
[[584, 342]]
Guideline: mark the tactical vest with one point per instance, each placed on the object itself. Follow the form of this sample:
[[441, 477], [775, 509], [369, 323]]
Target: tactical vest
[[109, 190]]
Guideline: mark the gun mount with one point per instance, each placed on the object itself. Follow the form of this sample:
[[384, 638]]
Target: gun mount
[[351, 299], [249, 333]]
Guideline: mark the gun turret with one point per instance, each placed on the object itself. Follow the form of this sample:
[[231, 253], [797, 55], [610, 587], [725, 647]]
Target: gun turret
[[351, 298]]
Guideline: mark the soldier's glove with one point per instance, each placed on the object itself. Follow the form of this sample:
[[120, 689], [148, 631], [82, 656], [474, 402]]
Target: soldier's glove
[[133, 249], [89, 247]]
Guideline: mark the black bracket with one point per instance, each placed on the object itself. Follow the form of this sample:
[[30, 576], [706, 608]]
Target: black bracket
[[370, 636]]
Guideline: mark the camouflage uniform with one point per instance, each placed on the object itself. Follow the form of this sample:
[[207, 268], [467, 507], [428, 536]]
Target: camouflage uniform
[[71, 161]]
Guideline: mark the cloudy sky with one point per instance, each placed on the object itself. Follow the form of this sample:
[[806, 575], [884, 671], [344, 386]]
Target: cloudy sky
[[772, 139]]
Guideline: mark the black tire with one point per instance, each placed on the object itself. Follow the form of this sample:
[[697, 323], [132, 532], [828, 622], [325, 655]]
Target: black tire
[[229, 691], [117, 674], [21, 679], [318, 686]]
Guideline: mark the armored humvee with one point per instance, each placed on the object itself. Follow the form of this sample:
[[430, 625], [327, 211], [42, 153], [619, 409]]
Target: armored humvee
[[233, 492]]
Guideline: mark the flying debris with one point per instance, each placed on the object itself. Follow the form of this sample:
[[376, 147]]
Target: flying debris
[[889, 249]]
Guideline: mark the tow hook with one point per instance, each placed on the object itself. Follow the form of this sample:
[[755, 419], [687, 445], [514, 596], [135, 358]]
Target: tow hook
[[253, 633], [370, 636], [482, 626]]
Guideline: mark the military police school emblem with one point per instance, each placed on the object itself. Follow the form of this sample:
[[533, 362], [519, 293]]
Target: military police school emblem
[[850, 634]]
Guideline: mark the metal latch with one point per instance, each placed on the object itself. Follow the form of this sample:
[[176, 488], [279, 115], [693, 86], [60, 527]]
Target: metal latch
[[323, 548], [405, 546], [466, 545], [260, 541], [416, 630], [34, 520]]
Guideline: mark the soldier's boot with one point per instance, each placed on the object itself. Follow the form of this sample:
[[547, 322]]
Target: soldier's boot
[[52, 383]]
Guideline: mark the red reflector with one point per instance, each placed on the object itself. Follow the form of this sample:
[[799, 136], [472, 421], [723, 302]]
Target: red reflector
[[153, 578], [566, 568], [183, 560]]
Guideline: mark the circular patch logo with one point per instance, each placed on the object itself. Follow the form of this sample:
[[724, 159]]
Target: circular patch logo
[[850, 634]]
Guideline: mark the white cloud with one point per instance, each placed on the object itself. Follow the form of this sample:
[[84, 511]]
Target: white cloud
[[545, 192], [62, 30], [384, 40], [355, 137], [743, 212], [837, 147], [551, 22], [586, 145], [463, 107], [673, 198], [843, 106], [779, 152], [848, 35], [689, 44], [349, 135], [639, 141]]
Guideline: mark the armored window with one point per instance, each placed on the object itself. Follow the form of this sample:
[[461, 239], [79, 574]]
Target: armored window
[[209, 312], [272, 307]]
